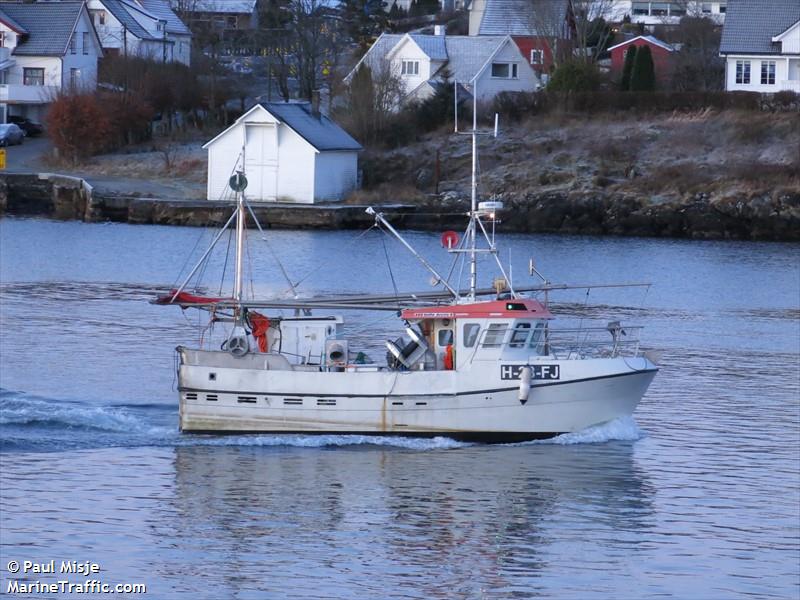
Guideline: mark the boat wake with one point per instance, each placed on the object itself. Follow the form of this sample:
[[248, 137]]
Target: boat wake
[[30, 423]]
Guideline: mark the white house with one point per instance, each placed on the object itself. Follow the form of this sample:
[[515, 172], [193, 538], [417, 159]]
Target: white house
[[663, 12], [127, 28], [489, 64], [288, 151], [44, 48], [761, 46]]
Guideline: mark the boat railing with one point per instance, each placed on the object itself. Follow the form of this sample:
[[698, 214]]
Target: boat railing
[[569, 343], [593, 342]]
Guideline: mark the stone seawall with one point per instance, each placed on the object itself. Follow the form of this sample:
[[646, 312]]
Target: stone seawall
[[757, 217]]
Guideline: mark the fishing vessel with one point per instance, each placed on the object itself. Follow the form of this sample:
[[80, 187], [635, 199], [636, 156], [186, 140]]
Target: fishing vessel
[[478, 364]]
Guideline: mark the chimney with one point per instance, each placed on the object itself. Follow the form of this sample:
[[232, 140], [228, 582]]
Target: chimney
[[439, 29], [315, 104]]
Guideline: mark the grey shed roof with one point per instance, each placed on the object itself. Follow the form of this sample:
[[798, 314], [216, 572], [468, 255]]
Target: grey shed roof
[[750, 25], [122, 12], [322, 133], [522, 17], [49, 26], [162, 10]]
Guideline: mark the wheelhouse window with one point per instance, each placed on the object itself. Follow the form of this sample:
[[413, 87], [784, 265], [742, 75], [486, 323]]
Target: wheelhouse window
[[767, 72], [520, 335], [33, 76], [410, 67], [495, 335], [537, 337], [471, 331], [504, 70], [445, 337], [743, 71]]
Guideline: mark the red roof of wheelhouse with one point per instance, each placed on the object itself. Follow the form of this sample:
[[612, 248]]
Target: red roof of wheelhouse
[[503, 309]]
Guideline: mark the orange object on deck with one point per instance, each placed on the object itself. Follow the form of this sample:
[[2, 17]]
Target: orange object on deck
[[449, 357], [260, 325]]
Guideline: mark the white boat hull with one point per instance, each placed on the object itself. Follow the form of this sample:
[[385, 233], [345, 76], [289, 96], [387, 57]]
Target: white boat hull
[[222, 394]]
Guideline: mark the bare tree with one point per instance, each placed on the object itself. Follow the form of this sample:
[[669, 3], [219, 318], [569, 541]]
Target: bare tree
[[371, 99], [592, 32], [551, 21]]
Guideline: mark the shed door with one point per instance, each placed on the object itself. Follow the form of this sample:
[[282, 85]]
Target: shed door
[[261, 161]]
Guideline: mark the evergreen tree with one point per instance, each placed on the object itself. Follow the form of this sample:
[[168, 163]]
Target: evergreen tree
[[643, 75], [630, 57], [363, 20]]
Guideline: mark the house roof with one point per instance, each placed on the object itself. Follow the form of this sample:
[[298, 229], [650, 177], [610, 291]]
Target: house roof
[[162, 10], [322, 133], [523, 17], [49, 26], [122, 12], [466, 55], [233, 7], [750, 25], [647, 38], [11, 22]]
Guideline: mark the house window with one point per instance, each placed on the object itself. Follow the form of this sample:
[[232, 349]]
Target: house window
[[2, 39], [73, 45], [74, 78], [33, 76], [743, 71], [659, 9], [98, 16], [410, 67], [767, 72], [640, 8], [86, 42], [722, 9], [706, 8], [504, 70], [537, 57], [677, 10]]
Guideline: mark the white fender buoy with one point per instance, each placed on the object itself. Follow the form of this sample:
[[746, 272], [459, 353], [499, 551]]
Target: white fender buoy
[[524, 384]]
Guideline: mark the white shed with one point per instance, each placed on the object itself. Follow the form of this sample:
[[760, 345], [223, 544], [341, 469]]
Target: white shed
[[289, 153]]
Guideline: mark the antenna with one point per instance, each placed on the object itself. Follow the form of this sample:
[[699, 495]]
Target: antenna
[[455, 105]]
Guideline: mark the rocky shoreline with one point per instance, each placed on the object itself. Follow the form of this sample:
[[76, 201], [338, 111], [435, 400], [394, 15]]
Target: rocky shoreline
[[773, 217]]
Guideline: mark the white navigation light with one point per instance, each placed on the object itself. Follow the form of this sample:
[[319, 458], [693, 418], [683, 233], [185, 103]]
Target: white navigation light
[[490, 208]]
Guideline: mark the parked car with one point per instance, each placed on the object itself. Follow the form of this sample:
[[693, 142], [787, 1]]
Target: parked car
[[29, 128], [10, 134]]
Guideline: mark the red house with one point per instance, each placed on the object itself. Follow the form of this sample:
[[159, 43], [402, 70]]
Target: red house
[[538, 27], [661, 51]]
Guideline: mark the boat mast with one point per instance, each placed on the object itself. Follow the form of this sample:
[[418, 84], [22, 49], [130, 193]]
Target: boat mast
[[240, 221], [473, 256]]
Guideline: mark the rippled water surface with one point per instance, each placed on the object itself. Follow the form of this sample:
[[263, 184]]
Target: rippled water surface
[[698, 497]]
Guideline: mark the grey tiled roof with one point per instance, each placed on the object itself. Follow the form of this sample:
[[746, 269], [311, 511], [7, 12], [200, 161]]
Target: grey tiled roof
[[750, 25], [11, 22], [162, 10], [49, 25], [522, 17], [432, 45], [322, 133], [465, 55], [469, 53], [122, 12]]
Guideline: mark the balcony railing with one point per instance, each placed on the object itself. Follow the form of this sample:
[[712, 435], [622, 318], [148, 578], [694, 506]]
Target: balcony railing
[[27, 94]]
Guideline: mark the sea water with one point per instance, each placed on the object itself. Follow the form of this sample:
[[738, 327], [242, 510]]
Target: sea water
[[696, 496]]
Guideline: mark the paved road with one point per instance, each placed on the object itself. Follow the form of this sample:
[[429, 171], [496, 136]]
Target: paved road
[[30, 158]]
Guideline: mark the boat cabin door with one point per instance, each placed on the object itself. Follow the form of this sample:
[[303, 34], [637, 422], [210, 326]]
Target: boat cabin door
[[444, 343]]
